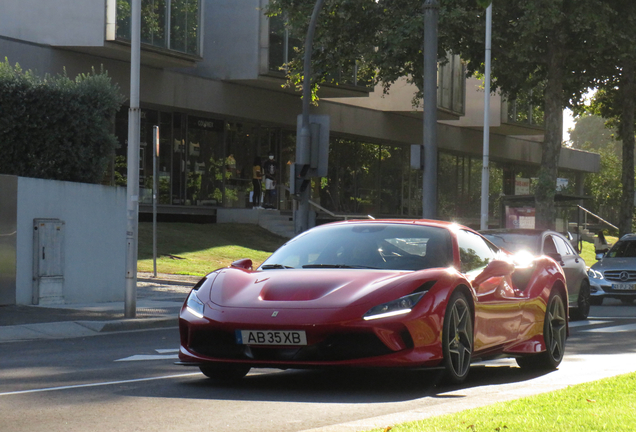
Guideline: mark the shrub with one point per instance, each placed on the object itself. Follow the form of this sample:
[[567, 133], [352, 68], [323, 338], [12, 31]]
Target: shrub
[[54, 127]]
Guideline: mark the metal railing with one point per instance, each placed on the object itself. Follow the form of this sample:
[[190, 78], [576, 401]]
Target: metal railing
[[600, 219]]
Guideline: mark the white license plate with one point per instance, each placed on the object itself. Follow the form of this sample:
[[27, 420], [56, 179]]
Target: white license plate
[[623, 287], [271, 337]]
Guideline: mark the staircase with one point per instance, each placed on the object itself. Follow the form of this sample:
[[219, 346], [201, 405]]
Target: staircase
[[278, 222]]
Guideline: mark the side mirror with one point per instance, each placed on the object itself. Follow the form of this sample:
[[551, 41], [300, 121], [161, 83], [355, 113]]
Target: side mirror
[[599, 256], [496, 268], [245, 264]]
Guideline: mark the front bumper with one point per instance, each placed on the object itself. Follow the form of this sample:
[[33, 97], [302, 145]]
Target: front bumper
[[330, 341], [603, 289]]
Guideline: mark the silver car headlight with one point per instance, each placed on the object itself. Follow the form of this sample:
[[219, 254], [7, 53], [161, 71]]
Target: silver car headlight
[[194, 305], [401, 306], [594, 274]]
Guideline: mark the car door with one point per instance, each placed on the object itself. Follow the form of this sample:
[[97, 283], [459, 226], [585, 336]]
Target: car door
[[497, 309], [573, 267]]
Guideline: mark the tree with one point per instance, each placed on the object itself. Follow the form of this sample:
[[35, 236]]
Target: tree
[[615, 98], [591, 133], [55, 127], [541, 44]]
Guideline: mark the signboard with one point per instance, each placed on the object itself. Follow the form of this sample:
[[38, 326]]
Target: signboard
[[522, 186], [520, 217]]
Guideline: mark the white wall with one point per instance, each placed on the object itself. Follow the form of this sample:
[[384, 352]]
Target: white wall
[[54, 22], [94, 237]]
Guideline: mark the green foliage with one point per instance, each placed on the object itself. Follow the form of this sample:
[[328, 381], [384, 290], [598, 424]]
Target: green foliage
[[592, 132], [56, 127]]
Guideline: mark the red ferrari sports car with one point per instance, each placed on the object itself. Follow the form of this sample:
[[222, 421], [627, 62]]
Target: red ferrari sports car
[[380, 293]]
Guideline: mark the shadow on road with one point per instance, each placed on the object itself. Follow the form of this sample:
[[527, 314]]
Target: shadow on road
[[337, 386]]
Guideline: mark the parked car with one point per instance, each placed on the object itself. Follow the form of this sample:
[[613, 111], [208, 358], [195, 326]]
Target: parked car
[[558, 247], [614, 275], [381, 293]]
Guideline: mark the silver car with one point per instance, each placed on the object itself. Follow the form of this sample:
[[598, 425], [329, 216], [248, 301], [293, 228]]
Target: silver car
[[614, 276], [559, 248]]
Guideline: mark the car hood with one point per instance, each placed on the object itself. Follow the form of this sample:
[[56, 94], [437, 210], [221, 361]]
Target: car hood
[[615, 264], [308, 288]]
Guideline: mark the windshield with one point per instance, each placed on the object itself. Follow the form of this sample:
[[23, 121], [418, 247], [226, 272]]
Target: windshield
[[623, 249], [374, 245], [513, 242]]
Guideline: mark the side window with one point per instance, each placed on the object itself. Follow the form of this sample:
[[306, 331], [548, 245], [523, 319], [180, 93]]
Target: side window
[[548, 246], [562, 246], [474, 252]]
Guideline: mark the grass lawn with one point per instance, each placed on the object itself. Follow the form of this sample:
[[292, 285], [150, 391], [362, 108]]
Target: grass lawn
[[588, 253], [605, 405], [197, 249]]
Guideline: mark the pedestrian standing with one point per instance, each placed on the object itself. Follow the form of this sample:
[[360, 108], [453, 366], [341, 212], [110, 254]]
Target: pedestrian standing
[[270, 167], [257, 176]]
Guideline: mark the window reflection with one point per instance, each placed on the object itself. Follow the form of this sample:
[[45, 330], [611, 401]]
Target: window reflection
[[170, 24]]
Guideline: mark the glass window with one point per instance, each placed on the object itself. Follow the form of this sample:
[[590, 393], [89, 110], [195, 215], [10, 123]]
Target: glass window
[[548, 246], [171, 24], [563, 248], [205, 163], [474, 252]]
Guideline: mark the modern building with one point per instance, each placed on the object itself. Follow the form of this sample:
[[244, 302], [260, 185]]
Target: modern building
[[211, 79]]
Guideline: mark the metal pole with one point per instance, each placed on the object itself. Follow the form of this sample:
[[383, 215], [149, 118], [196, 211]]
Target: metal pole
[[130, 303], [429, 186], [485, 172], [301, 216], [155, 195]]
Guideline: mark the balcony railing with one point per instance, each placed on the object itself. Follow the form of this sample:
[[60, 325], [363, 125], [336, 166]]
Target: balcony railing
[[168, 24], [523, 111]]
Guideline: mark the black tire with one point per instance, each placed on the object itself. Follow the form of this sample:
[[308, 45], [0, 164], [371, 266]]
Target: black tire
[[554, 335], [224, 371], [582, 310], [596, 301], [457, 338], [627, 301]]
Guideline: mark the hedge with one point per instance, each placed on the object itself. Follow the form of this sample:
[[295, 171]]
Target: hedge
[[54, 127]]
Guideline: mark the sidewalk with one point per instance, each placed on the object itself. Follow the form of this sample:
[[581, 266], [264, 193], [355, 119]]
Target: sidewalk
[[158, 303]]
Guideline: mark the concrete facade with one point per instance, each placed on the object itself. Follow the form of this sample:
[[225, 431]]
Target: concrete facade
[[94, 238]]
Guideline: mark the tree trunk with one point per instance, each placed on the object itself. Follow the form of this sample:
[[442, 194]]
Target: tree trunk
[[545, 212], [626, 131]]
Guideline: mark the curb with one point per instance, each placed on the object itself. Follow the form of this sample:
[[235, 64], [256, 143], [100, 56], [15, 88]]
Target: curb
[[129, 324]]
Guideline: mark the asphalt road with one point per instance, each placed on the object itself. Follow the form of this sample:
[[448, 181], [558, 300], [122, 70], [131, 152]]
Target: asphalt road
[[127, 382]]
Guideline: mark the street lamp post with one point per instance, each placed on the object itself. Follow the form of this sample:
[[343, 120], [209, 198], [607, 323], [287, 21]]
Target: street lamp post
[[132, 182], [301, 215], [429, 181], [485, 172]]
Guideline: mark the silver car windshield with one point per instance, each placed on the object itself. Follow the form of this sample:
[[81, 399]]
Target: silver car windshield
[[623, 249], [373, 245]]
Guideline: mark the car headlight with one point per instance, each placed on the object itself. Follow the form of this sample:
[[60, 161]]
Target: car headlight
[[194, 305], [595, 274], [401, 306]]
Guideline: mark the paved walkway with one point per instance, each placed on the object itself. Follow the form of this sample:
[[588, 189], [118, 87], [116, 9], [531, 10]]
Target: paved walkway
[[158, 303]]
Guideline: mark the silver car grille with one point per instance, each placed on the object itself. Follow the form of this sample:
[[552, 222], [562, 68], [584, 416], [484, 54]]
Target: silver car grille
[[620, 275]]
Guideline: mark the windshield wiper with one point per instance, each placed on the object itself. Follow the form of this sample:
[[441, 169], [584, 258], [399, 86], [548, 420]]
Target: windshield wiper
[[338, 266], [275, 266]]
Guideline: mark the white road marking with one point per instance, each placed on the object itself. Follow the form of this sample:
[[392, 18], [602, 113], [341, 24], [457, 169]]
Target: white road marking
[[586, 323], [166, 351], [139, 357], [98, 384], [613, 329], [164, 354]]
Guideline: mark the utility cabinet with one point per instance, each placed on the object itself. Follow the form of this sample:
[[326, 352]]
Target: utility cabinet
[[48, 261]]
